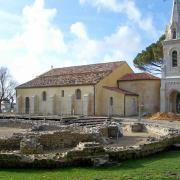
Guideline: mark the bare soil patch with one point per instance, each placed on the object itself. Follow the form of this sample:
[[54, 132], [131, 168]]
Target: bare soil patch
[[165, 116], [132, 139], [8, 132]]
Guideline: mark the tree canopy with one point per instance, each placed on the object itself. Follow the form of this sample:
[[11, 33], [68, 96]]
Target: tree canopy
[[150, 59]]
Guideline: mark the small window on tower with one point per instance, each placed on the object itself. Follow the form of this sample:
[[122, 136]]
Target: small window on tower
[[174, 58], [174, 34]]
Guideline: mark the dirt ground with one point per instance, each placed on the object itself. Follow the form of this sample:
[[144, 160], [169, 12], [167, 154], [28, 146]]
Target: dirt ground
[[8, 132], [165, 116], [132, 139]]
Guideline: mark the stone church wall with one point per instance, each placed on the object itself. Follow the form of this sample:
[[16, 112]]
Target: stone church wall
[[111, 81], [117, 107], [148, 91], [55, 103]]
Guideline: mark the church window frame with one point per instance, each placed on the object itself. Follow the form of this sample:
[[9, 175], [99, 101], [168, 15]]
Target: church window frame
[[78, 94], [111, 101], [174, 58], [174, 34], [62, 93], [44, 96]]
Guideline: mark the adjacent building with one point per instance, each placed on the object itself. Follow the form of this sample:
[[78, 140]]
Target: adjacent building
[[170, 83]]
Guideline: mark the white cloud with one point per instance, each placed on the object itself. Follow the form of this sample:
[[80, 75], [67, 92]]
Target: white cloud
[[121, 45], [40, 34], [127, 7], [79, 30], [39, 43], [25, 52]]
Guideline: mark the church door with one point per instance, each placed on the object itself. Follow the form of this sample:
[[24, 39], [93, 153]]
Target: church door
[[178, 103], [27, 105]]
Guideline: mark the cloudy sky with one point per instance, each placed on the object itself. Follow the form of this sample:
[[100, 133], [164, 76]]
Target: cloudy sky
[[35, 34]]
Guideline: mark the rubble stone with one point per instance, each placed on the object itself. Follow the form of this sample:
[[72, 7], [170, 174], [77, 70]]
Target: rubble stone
[[61, 146], [30, 145], [137, 127]]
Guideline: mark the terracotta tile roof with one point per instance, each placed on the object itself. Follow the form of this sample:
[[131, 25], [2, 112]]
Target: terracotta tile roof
[[76, 75], [138, 76], [119, 90]]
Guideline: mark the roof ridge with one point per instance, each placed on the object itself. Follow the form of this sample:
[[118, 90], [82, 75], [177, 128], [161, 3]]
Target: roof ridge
[[88, 65], [87, 72]]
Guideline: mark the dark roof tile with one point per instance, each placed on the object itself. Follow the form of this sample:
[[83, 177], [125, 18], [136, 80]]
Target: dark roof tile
[[75, 75], [138, 76]]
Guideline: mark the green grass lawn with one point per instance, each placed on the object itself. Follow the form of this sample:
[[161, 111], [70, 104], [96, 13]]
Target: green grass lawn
[[161, 166]]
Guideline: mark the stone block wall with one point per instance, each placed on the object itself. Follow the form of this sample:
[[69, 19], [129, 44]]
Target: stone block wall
[[12, 143], [65, 139]]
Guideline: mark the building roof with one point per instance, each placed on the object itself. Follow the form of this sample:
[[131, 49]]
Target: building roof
[[75, 75], [119, 90], [138, 76]]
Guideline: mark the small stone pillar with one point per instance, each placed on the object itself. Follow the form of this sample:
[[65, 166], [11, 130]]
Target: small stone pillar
[[58, 105], [32, 105], [69, 104], [51, 104], [86, 105], [19, 104]]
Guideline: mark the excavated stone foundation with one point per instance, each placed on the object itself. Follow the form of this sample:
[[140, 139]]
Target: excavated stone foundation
[[49, 144]]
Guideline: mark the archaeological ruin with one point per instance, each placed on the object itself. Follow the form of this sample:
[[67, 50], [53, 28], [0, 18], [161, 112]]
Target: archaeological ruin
[[80, 141]]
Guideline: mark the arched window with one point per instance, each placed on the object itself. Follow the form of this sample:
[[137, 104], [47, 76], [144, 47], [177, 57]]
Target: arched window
[[44, 96], [62, 93], [27, 105], [174, 34], [78, 94], [174, 58], [111, 101]]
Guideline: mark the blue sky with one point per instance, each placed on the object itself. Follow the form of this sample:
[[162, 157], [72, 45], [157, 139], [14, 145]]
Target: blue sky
[[35, 34]]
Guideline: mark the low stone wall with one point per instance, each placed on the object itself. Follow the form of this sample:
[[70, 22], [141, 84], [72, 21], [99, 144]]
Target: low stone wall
[[12, 143], [66, 139], [35, 125], [148, 127], [87, 156], [142, 150], [15, 123], [36, 148], [110, 131], [159, 130]]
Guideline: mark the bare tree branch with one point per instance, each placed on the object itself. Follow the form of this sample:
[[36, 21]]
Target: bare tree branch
[[7, 86]]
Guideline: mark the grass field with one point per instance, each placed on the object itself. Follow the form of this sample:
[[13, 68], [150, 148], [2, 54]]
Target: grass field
[[161, 166]]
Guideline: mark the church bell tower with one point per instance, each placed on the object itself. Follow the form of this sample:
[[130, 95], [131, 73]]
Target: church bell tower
[[170, 82]]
